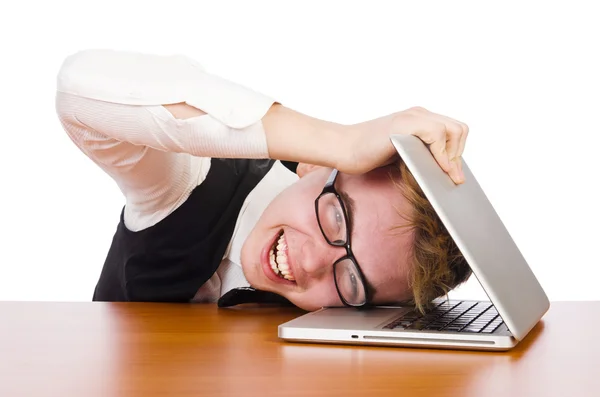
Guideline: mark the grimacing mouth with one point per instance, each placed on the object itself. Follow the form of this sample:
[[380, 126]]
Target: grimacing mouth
[[278, 258]]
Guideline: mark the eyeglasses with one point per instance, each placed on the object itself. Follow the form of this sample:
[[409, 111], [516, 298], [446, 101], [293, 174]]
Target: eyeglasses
[[333, 222]]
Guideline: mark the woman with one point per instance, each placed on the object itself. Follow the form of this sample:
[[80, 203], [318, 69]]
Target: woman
[[206, 220]]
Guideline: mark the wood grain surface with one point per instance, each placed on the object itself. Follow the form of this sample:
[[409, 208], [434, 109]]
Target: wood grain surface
[[138, 349]]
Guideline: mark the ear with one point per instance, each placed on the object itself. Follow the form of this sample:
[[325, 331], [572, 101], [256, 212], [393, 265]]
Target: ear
[[304, 169]]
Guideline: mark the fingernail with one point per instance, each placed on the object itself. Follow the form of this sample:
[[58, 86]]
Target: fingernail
[[458, 176]]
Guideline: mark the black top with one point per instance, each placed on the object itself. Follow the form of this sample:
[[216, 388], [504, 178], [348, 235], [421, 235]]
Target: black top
[[170, 261]]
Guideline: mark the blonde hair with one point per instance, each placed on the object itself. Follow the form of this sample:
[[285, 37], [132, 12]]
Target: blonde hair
[[436, 265]]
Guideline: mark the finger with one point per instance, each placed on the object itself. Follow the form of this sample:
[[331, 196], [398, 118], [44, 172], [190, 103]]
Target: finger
[[434, 134], [463, 139], [453, 135], [461, 149], [459, 161], [456, 132], [453, 144]]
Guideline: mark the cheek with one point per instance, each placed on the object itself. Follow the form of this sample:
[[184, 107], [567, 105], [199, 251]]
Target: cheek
[[321, 293], [379, 248], [385, 266], [293, 207], [318, 296]]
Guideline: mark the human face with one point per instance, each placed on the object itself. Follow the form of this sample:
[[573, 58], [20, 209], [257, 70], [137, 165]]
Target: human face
[[381, 251]]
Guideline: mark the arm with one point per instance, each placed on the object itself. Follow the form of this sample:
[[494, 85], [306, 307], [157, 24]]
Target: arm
[[154, 182], [358, 148], [362, 147], [290, 135], [109, 103]]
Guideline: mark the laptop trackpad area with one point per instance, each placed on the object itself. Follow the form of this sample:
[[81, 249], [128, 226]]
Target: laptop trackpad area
[[349, 318]]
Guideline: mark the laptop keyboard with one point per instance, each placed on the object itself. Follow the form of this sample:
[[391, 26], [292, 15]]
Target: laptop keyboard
[[456, 316]]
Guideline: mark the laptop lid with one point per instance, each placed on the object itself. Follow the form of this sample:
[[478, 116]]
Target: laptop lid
[[481, 236]]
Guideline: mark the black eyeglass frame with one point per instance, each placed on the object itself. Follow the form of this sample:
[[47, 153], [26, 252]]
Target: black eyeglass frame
[[330, 189]]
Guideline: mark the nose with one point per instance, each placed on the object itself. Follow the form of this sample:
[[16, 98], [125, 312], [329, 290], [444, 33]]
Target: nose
[[317, 257]]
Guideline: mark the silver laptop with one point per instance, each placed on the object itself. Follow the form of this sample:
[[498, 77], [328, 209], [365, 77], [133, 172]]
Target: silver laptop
[[517, 301]]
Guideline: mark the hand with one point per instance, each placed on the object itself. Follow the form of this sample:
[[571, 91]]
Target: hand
[[369, 144]]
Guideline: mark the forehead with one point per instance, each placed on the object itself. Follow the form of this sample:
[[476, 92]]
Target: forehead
[[379, 242]]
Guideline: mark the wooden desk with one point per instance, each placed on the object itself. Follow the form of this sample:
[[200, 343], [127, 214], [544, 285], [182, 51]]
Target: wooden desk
[[133, 349]]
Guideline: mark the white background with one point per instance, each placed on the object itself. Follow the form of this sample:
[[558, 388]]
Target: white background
[[524, 77]]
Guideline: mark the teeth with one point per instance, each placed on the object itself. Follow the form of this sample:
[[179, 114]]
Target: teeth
[[272, 262], [279, 260]]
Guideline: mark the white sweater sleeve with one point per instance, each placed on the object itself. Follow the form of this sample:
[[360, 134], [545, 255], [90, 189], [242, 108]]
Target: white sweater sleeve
[[110, 104]]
